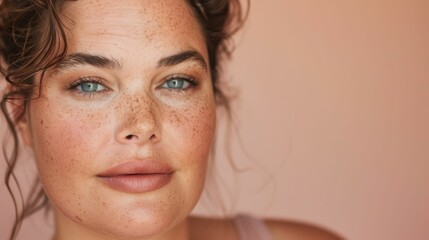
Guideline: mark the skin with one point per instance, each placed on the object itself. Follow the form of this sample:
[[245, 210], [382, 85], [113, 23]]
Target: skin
[[76, 135], [133, 114]]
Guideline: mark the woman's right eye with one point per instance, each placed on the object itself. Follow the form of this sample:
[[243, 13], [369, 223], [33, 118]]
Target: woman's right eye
[[88, 87]]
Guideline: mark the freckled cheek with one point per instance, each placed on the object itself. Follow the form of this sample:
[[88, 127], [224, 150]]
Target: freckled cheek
[[194, 130], [65, 140]]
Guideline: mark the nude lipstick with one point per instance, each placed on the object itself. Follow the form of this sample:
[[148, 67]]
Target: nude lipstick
[[137, 176]]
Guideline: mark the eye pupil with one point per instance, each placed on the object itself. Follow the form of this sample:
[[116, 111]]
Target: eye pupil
[[175, 83], [89, 87]]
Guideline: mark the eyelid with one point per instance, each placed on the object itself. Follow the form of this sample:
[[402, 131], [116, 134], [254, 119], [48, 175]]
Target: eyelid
[[85, 79]]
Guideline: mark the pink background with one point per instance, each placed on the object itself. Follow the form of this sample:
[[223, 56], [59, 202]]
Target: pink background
[[333, 117]]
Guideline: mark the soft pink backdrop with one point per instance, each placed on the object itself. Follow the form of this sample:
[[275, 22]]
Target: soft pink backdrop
[[333, 114]]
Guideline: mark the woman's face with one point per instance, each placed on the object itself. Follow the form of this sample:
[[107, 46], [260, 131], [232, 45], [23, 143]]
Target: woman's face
[[124, 124]]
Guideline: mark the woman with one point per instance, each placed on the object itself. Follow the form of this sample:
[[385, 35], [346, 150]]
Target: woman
[[117, 100]]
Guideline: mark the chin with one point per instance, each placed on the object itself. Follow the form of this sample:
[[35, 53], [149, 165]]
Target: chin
[[128, 216]]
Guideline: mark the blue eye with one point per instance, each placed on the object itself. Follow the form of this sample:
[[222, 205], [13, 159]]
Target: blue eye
[[88, 87], [178, 83]]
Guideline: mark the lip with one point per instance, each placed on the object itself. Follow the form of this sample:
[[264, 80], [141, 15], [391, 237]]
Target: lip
[[137, 176]]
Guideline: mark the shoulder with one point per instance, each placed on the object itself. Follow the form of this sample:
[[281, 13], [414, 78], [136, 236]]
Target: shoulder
[[211, 228], [283, 229]]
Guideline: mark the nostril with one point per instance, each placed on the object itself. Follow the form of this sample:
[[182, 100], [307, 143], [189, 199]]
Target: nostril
[[130, 137], [136, 137]]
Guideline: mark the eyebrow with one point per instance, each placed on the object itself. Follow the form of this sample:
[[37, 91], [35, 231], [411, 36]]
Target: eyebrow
[[76, 59], [100, 61], [176, 59]]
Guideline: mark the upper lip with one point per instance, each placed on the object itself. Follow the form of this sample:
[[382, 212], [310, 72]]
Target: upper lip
[[136, 167]]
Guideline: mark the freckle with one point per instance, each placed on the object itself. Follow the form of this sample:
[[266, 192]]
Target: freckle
[[41, 122]]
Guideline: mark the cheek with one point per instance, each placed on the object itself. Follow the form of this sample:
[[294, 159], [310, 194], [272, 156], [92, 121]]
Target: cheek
[[64, 141], [194, 129], [187, 141], [190, 139], [203, 128]]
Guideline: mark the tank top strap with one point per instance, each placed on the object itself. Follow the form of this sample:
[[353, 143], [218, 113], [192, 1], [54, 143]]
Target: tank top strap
[[250, 228]]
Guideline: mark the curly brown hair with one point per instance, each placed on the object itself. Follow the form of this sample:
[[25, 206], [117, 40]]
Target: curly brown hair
[[32, 39]]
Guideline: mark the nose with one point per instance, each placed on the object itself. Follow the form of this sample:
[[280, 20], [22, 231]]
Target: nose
[[137, 121]]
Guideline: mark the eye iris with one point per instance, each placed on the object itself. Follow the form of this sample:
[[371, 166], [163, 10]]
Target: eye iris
[[175, 83], [89, 87]]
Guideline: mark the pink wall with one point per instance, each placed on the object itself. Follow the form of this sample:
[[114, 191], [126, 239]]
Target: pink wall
[[333, 113]]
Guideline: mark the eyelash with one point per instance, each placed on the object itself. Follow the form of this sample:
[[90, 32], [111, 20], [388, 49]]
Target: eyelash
[[73, 86]]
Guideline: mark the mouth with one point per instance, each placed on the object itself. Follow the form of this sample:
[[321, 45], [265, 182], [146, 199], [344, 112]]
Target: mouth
[[137, 176]]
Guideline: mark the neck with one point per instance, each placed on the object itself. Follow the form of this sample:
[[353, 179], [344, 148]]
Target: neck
[[66, 229]]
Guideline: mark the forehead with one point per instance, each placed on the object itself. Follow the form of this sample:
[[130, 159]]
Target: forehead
[[92, 24]]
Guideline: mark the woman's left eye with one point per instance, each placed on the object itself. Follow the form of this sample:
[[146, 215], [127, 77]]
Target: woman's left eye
[[178, 83]]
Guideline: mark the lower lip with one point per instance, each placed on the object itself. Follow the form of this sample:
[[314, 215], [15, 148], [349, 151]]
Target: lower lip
[[137, 183]]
